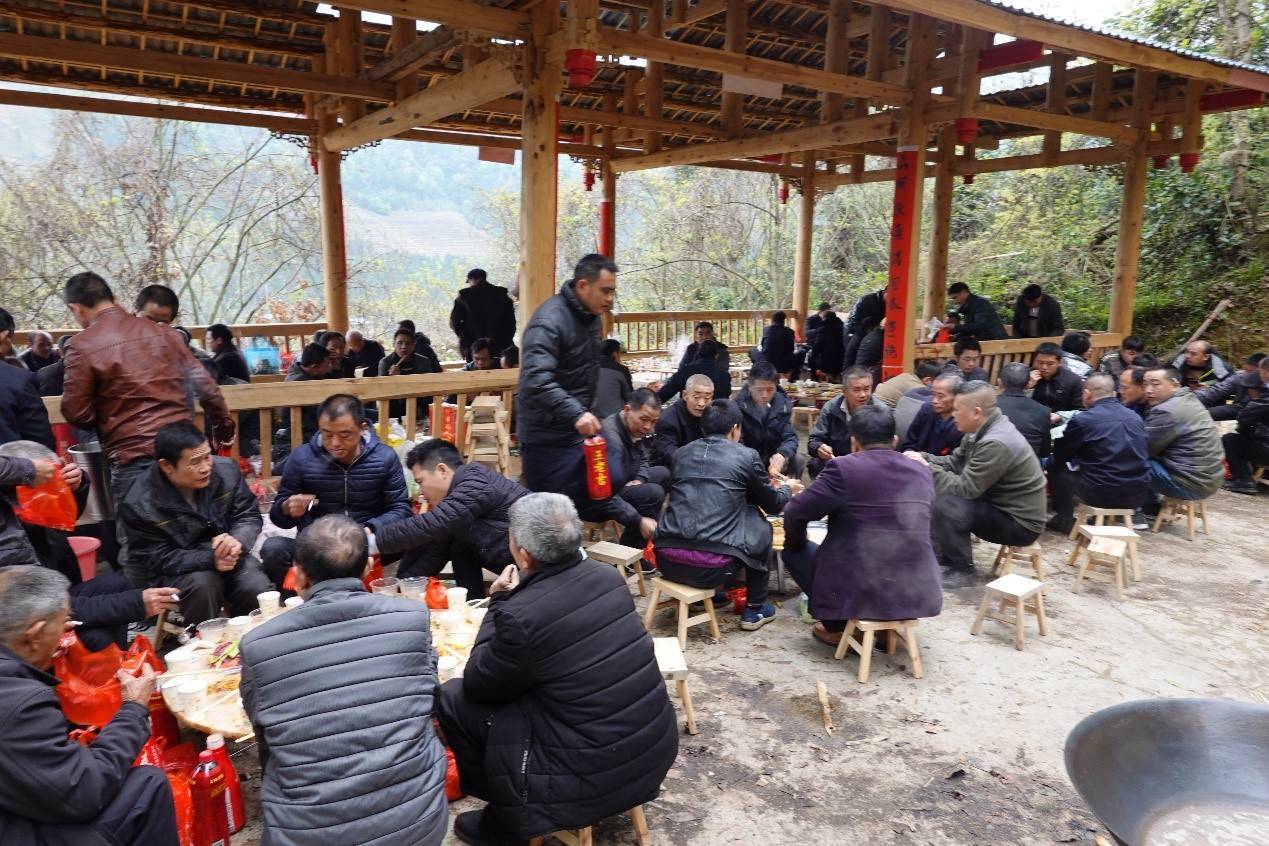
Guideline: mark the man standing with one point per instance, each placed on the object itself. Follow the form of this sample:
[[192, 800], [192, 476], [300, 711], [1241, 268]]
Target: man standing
[[191, 522], [341, 692], [1032, 419], [680, 423], [990, 486], [558, 369], [40, 354], [933, 429], [1182, 439], [482, 310], [706, 363], [977, 317], [1055, 386], [127, 377], [229, 360], [705, 332], [638, 487], [1107, 442], [778, 345], [831, 435], [1199, 365], [767, 421], [1037, 315], [814, 322], [362, 353]]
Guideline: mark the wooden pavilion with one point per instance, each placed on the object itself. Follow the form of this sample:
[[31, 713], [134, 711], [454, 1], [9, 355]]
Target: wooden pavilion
[[812, 90]]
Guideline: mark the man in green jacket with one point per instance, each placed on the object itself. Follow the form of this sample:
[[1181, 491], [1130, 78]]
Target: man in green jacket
[[1182, 439], [990, 486]]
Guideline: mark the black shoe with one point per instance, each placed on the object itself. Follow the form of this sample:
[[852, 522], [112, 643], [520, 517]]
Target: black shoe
[[482, 828], [1061, 525], [1241, 486], [1140, 522], [959, 577]]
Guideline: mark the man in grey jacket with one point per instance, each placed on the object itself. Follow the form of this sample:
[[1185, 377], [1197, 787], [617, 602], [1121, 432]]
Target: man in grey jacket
[[1182, 439], [340, 691], [990, 486]]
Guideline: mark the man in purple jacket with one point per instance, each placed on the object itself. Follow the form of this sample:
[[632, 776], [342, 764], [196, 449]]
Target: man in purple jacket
[[877, 561]]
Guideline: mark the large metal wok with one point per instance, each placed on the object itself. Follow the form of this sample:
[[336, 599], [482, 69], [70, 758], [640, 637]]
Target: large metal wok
[[1151, 768]]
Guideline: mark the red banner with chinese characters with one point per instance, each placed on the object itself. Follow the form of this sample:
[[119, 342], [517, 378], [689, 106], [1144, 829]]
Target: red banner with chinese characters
[[907, 182]]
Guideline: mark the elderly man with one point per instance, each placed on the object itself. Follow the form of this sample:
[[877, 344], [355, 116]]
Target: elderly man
[[966, 353], [1132, 386], [561, 718], [559, 367], [768, 426], [191, 523], [638, 487], [1029, 417], [1250, 443], [932, 429], [40, 354], [831, 435], [977, 316], [341, 692], [705, 332], [680, 423], [712, 526], [1107, 445], [362, 353], [990, 486], [1054, 385], [1199, 365], [465, 523], [57, 792], [1182, 439], [877, 561], [1037, 315], [345, 470]]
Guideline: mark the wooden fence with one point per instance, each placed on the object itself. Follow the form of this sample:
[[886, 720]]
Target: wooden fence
[[288, 336], [996, 354], [649, 333]]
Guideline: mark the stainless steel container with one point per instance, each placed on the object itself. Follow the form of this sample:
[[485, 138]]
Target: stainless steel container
[[96, 467]]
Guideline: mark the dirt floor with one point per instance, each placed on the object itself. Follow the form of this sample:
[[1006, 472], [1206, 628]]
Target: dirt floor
[[972, 753]]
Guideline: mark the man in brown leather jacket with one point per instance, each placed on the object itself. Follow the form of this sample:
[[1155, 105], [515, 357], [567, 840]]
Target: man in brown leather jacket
[[126, 377]]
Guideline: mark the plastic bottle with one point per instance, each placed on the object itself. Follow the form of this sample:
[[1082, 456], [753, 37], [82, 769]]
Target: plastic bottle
[[207, 787], [235, 815]]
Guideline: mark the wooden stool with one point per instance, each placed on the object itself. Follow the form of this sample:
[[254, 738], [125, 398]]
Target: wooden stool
[[673, 668], [486, 437], [583, 837], [1014, 589], [1171, 509], [1099, 515], [620, 557], [1008, 556], [1259, 475], [684, 596], [609, 530], [163, 630], [1104, 552], [804, 414], [1088, 533], [904, 630]]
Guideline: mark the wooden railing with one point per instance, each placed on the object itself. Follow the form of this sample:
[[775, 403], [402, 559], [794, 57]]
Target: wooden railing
[[996, 354], [286, 333], [645, 333]]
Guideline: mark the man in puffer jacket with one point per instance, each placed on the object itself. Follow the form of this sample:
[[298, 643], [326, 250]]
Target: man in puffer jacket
[[561, 718], [345, 470], [340, 692], [1182, 439]]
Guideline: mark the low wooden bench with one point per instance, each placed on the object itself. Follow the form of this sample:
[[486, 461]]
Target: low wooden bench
[[584, 836], [904, 630], [673, 668], [1015, 590], [620, 557], [1170, 509], [685, 597]]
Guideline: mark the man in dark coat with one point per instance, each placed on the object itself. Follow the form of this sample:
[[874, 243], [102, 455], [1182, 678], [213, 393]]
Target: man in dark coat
[[225, 353], [345, 470], [933, 429], [778, 343], [865, 318], [1056, 387], [767, 429], [1250, 443], [58, 792], [966, 353], [1182, 439], [829, 349], [638, 487], [614, 383], [561, 718], [815, 321], [680, 423], [466, 520], [706, 363], [405, 360], [40, 354], [1229, 396], [705, 332], [830, 437], [559, 365], [362, 352], [877, 561], [1037, 315], [977, 316], [1115, 363], [1032, 419], [482, 310], [1199, 365]]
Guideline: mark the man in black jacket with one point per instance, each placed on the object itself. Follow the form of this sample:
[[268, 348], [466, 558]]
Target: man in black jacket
[[638, 487], [1229, 396], [705, 363], [561, 718], [778, 344], [680, 423], [768, 422], [229, 360], [865, 318], [362, 353], [466, 520], [559, 365], [978, 317], [830, 437], [705, 332], [829, 350], [1250, 444], [1037, 315], [1032, 419], [1055, 386], [482, 310], [58, 792], [815, 321], [40, 353], [191, 522]]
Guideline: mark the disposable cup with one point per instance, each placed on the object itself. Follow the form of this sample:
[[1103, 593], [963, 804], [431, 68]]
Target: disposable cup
[[237, 627], [294, 601], [477, 616], [386, 586], [269, 601], [445, 667], [451, 620], [413, 587], [457, 598], [192, 694], [214, 630]]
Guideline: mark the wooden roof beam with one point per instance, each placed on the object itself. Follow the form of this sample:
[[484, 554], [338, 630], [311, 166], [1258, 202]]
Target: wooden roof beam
[[407, 61], [600, 117], [487, 20], [159, 111]]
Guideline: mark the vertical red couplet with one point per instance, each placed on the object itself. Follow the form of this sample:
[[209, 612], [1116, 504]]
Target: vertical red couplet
[[907, 182]]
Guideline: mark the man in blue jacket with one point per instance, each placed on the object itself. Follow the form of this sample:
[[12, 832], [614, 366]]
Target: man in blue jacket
[[345, 470]]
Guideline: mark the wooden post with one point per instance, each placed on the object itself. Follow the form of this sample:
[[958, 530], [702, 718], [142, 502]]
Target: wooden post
[[875, 66], [539, 166], [940, 234], [802, 257], [654, 82], [1055, 101], [331, 200], [349, 60], [836, 57], [1132, 209], [736, 41], [404, 33]]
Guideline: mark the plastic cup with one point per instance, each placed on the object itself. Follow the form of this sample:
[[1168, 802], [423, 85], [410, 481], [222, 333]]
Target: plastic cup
[[457, 598], [450, 620], [413, 587], [238, 626], [171, 690], [269, 601], [463, 639], [183, 660], [192, 694], [257, 617], [293, 601], [445, 667], [214, 630], [477, 616], [386, 586]]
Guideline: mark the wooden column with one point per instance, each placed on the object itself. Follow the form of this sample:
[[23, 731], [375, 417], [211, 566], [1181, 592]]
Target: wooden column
[[941, 231], [1132, 209], [736, 41], [836, 57], [1055, 102], [349, 60], [331, 199], [875, 65], [539, 165], [404, 33], [805, 243], [654, 82]]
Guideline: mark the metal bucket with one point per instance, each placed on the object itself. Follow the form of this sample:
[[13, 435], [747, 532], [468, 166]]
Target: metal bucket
[[96, 468]]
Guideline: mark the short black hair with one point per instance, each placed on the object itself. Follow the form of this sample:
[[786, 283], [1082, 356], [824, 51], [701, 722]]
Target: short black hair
[[1146, 360], [313, 354], [590, 266], [873, 426], [608, 347], [824, 306], [161, 295], [402, 330], [1032, 292], [221, 332], [704, 324], [856, 372], [6, 322], [336, 406], [406, 324], [1132, 343], [778, 318], [642, 397], [708, 349], [966, 344], [87, 289], [189, 339], [477, 274], [1076, 343], [763, 371], [173, 439], [329, 335], [61, 342], [432, 452], [1169, 372], [927, 368], [1048, 348], [333, 547], [482, 345], [511, 356], [1254, 359], [1137, 375], [720, 417], [958, 288]]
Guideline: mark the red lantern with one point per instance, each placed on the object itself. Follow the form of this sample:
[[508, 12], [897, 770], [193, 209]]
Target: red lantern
[[598, 482], [1160, 162], [580, 65], [588, 179], [784, 193], [1189, 161], [968, 178], [966, 130]]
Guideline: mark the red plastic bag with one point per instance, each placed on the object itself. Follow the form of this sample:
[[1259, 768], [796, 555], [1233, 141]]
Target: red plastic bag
[[650, 554], [178, 764], [453, 786], [89, 691], [374, 570], [51, 504], [289, 582], [435, 595]]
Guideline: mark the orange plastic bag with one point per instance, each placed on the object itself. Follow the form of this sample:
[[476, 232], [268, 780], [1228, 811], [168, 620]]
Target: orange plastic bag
[[51, 505], [89, 691], [435, 595], [650, 553], [453, 787], [374, 570]]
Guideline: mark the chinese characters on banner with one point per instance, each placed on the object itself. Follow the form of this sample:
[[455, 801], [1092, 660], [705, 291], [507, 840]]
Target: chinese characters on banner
[[907, 182]]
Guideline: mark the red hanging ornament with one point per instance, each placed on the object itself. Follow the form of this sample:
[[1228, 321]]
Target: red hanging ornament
[[580, 65], [1189, 161], [784, 193], [588, 179], [966, 130], [968, 178], [1160, 162]]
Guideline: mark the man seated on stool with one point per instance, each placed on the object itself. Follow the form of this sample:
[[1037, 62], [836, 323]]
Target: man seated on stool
[[831, 435], [680, 424], [1032, 419], [1182, 440], [990, 486], [909, 405], [877, 561], [712, 526], [561, 718], [1108, 443], [191, 522], [1054, 385], [767, 421], [58, 792], [345, 470], [466, 521], [933, 429], [638, 487], [1249, 444]]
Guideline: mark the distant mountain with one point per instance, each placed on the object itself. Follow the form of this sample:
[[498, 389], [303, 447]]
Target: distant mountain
[[416, 232]]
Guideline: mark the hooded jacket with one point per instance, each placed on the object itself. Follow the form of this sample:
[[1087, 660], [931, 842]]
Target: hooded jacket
[[979, 319], [559, 365], [1216, 370]]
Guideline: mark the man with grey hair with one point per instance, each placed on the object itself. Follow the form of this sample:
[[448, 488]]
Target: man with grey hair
[[340, 691], [561, 717], [1031, 418], [1101, 457], [990, 486], [933, 430], [54, 791]]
